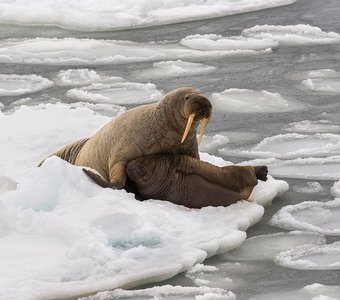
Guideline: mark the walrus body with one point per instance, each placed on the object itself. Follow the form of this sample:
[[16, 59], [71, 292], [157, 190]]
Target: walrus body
[[190, 182], [141, 131]]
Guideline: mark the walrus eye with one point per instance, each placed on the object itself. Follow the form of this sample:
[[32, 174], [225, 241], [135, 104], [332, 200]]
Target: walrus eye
[[187, 97], [187, 128]]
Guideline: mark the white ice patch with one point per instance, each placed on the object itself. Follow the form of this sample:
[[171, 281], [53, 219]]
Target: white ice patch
[[324, 80], [7, 184], [302, 216], [265, 247], [166, 292], [335, 189], [213, 141], [314, 291], [307, 126], [88, 15], [73, 52], [308, 187], [300, 34], [170, 69], [292, 145], [74, 77], [249, 101], [17, 85], [325, 257], [125, 93]]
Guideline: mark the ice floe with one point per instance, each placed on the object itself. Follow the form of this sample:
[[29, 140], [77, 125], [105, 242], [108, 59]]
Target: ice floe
[[74, 77], [314, 291], [169, 69], [249, 101], [308, 126], [75, 238], [324, 80], [335, 189], [302, 217], [308, 187], [265, 247], [125, 93], [324, 257], [88, 15], [301, 34], [16, 85], [166, 292], [73, 52]]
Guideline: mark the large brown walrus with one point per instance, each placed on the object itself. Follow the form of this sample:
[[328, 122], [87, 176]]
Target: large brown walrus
[[185, 180], [167, 126]]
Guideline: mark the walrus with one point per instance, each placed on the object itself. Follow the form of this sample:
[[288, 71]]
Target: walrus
[[187, 181], [167, 126]]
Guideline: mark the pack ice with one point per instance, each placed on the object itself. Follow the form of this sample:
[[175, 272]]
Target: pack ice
[[63, 236]]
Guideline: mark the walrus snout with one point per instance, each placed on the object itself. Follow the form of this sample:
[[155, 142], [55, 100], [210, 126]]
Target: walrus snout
[[261, 172]]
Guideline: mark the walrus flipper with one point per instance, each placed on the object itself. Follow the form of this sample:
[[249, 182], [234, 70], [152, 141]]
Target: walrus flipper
[[69, 152], [97, 178]]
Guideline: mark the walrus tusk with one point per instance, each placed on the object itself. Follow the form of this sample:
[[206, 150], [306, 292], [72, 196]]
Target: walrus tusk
[[187, 128], [203, 124]]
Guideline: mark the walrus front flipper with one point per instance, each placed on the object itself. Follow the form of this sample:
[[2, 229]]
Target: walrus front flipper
[[117, 175], [97, 178]]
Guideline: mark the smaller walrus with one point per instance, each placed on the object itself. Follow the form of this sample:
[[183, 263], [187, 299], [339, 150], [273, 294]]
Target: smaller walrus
[[188, 181]]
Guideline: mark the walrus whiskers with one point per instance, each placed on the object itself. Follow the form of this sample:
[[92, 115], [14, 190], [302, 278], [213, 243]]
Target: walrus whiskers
[[187, 128]]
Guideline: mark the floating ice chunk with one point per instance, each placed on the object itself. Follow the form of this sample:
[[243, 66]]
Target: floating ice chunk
[[75, 52], [302, 217], [335, 189], [325, 257], [249, 101], [165, 292], [292, 145], [314, 291], [178, 68], [209, 42], [74, 77], [293, 34], [105, 109], [16, 85], [313, 126], [265, 247], [198, 271], [126, 93], [308, 187], [213, 141], [88, 16], [324, 80]]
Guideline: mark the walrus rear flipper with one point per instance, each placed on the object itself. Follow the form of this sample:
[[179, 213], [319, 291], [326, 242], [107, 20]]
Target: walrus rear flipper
[[69, 152]]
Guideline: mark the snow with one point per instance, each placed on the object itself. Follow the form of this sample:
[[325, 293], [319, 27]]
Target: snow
[[16, 85], [249, 101], [302, 217], [323, 80], [308, 126], [265, 247], [87, 15], [324, 257], [308, 187], [125, 93], [61, 235], [171, 69], [75, 77], [291, 35]]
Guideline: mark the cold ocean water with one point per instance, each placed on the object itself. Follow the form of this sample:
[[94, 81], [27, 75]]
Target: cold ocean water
[[273, 76]]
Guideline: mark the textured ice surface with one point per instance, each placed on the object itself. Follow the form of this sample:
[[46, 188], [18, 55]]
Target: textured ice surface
[[16, 85], [314, 291], [300, 34], [74, 237], [324, 257], [249, 101], [166, 292], [322, 217], [7, 184], [313, 126], [74, 77], [308, 187], [73, 52], [335, 189], [125, 93], [292, 145], [323, 80], [88, 15], [170, 69], [265, 247]]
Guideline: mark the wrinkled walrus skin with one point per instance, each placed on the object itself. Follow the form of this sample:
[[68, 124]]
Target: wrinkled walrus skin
[[144, 130], [188, 181]]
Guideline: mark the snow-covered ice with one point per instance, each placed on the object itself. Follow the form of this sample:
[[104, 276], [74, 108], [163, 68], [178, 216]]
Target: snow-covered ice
[[16, 85], [87, 15], [301, 216], [74, 237], [170, 69], [124, 93], [249, 101], [308, 187], [74, 77], [323, 257], [301, 34], [265, 247], [307, 126]]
